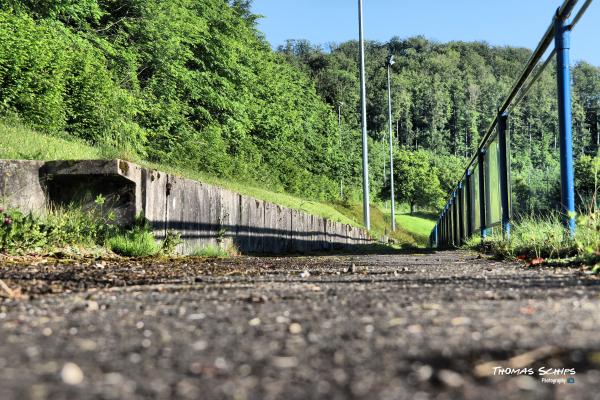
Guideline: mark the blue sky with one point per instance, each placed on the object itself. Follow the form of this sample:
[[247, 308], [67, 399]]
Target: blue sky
[[507, 22]]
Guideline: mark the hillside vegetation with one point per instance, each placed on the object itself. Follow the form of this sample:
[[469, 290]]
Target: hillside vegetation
[[20, 142], [445, 95], [190, 83], [192, 86]]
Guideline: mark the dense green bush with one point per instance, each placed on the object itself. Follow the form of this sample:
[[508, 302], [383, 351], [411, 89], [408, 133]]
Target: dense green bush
[[423, 179], [587, 181], [75, 227], [58, 81], [189, 83]]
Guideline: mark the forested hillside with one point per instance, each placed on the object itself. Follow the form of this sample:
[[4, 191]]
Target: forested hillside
[[187, 82], [445, 96], [194, 84]]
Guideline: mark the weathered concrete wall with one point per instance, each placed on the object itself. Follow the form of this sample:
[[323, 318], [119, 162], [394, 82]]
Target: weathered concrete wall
[[21, 185], [204, 215], [154, 190]]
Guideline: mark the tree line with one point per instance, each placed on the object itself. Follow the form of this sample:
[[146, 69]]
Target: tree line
[[445, 95], [194, 84]]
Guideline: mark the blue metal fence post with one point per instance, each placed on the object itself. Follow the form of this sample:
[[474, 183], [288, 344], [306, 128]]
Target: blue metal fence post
[[456, 218], [449, 224], [480, 161], [439, 232], [504, 147], [442, 231], [461, 214], [455, 235], [446, 231], [447, 218], [444, 224], [452, 221], [567, 180], [435, 235], [468, 225]]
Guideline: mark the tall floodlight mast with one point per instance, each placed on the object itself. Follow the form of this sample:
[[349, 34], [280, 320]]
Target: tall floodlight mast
[[390, 62], [363, 105]]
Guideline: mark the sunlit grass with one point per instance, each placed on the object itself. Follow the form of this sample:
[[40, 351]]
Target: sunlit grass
[[134, 244], [545, 237], [210, 252], [21, 143], [419, 225]]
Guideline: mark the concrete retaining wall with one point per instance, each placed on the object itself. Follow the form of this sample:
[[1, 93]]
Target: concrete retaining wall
[[204, 215]]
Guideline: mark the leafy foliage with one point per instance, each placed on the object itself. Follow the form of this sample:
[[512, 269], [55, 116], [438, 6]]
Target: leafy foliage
[[60, 228], [587, 181], [187, 83], [418, 184], [444, 98], [22, 233], [194, 85]]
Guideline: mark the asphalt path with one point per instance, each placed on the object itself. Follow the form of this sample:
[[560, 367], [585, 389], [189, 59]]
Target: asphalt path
[[443, 325]]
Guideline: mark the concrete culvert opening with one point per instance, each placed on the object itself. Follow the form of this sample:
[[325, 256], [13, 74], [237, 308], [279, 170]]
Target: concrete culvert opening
[[117, 192]]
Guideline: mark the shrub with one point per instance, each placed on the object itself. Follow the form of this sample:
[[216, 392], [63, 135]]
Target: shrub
[[134, 243], [169, 245]]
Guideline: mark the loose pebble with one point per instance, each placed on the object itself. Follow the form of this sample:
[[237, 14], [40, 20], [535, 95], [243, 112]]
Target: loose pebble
[[71, 374]]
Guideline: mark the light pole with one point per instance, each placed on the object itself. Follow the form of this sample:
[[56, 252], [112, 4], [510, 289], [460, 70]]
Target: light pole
[[390, 62], [363, 105], [340, 104]]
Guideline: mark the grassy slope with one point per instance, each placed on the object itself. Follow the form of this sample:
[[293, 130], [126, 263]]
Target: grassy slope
[[381, 223], [20, 142], [419, 224]]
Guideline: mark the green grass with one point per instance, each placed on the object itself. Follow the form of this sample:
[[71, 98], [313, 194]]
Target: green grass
[[418, 224], [545, 238], [21, 143], [211, 252], [380, 224], [134, 244]]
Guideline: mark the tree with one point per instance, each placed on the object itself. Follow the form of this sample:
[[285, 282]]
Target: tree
[[416, 179]]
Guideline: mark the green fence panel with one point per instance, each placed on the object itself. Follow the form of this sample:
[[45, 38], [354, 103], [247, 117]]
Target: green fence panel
[[493, 201], [455, 233], [475, 214], [465, 215]]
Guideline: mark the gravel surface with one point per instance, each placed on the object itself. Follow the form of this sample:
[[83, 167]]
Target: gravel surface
[[420, 326]]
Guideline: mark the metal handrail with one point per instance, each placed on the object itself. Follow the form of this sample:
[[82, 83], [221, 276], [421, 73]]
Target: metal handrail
[[563, 12], [497, 128]]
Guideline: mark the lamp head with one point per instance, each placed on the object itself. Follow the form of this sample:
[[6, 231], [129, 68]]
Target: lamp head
[[390, 60]]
